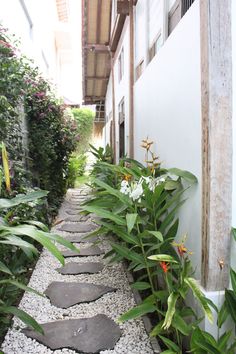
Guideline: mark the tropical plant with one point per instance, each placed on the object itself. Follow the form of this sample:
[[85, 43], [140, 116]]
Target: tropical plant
[[140, 205], [76, 168]]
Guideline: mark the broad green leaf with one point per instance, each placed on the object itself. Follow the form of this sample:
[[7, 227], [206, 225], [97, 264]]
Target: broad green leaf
[[157, 329], [162, 258], [32, 232], [141, 285], [131, 220], [233, 279], [39, 224], [222, 315], [170, 344], [189, 177], [170, 217], [224, 340], [233, 231], [17, 241], [59, 239], [230, 299], [4, 268], [168, 351], [105, 214], [157, 234], [137, 311], [127, 253], [9, 203], [192, 283], [171, 303], [6, 167], [23, 316], [117, 230], [171, 185], [203, 340], [20, 286], [122, 197], [179, 323]]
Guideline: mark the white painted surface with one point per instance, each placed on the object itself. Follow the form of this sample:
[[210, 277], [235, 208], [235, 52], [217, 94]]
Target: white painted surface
[[53, 46], [121, 91], [168, 111], [233, 248]]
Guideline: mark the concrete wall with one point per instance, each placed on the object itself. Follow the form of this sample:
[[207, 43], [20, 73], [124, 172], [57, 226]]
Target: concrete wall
[[233, 249], [121, 91], [37, 40], [168, 111]]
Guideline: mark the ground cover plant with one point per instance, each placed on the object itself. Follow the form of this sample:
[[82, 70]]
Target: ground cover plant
[[139, 205], [18, 244]]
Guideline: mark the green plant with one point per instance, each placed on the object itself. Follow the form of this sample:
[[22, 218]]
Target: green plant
[[18, 237], [76, 168], [84, 118], [140, 206]]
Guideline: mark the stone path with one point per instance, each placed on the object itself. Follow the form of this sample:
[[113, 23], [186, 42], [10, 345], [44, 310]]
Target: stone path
[[83, 299]]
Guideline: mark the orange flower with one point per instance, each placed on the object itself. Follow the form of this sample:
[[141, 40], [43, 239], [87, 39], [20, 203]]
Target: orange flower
[[182, 249], [127, 178], [165, 266]]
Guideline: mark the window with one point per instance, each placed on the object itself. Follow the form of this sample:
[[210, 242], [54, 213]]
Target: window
[[186, 4], [139, 69], [121, 65], [121, 110], [177, 11], [155, 46]]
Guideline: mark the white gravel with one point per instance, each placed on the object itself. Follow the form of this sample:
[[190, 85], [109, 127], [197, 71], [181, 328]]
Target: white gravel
[[134, 339]]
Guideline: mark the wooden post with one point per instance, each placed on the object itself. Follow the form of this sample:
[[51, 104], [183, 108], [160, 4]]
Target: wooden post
[[216, 86], [131, 80], [113, 109]]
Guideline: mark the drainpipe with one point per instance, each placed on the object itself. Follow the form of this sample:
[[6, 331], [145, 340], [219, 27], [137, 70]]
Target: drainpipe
[[131, 81]]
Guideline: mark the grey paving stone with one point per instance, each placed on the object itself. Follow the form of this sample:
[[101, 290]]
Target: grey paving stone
[[86, 335], [88, 251], [77, 218], [73, 211], [64, 295], [81, 238], [78, 227], [81, 268]]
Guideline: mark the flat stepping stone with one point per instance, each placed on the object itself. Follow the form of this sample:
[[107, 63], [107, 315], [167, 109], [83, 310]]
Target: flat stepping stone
[[64, 295], [81, 268], [73, 211], [82, 238], [78, 227], [88, 251], [86, 335], [77, 218]]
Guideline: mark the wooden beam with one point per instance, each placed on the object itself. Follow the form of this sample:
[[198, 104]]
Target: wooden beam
[[117, 30], [123, 7], [102, 48], [216, 87], [97, 78]]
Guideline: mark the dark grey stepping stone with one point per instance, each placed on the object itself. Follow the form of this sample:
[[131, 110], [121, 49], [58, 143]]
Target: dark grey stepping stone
[[86, 335], [82, 238], [88, 251], [81, 268], [78, 227], [72, 211], [77, 218], [64, 295]]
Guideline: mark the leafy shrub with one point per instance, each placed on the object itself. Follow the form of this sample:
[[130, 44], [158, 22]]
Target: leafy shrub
[[76, 168], [84, 118]]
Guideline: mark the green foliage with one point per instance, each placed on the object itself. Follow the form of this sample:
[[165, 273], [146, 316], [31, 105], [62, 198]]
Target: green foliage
[[84, 118], [28, 102], [76, 168], [22, 237], [140, 206]]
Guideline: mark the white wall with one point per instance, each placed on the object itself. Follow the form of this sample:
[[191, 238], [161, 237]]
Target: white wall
[[121, 91], [168, 110], [233, 248]]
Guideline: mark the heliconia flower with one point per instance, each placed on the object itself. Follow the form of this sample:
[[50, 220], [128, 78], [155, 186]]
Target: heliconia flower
[[181, 248], [165, 266]]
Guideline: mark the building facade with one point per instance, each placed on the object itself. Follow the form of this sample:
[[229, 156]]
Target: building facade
[[169, 77]]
